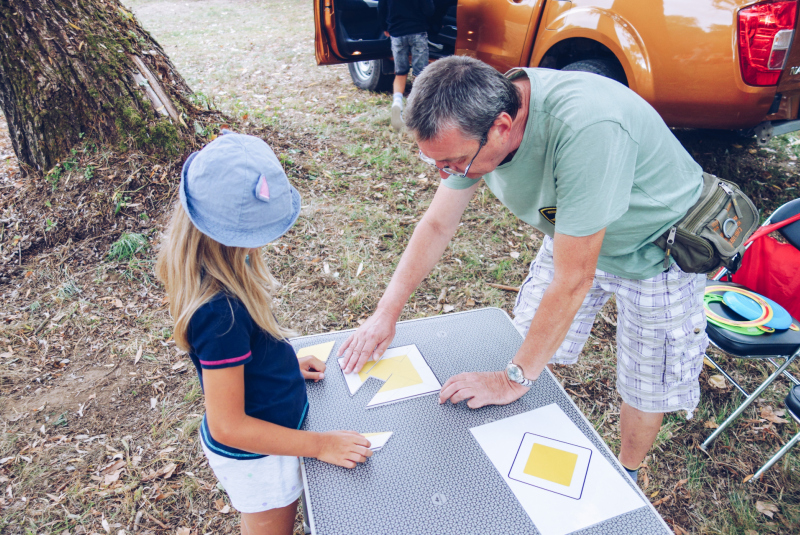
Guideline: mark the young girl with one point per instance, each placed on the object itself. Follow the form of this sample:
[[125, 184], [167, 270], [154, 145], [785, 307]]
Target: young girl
[[234, 199]]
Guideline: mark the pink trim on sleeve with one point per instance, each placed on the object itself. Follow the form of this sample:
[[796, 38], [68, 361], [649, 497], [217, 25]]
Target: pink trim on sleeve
[[226, 361]]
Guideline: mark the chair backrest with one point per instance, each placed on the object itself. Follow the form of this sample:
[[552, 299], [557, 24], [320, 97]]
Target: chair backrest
[[769, 267], [790, 232]]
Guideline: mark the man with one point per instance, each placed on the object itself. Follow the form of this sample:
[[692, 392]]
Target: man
[[593, 166], [406, 23]]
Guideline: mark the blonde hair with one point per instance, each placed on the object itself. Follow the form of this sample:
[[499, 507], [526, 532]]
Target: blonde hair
[[194, 268]]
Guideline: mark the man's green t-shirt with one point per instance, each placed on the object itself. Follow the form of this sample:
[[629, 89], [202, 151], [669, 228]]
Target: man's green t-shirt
[[595, 155]]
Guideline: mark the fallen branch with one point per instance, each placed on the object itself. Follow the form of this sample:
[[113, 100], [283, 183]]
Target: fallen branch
[[503, 287]]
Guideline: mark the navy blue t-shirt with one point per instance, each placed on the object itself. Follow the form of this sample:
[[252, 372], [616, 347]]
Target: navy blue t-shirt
[[222, 334]]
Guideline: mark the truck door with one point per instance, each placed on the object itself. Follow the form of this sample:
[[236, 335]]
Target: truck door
[[347, 31], [499, 32]]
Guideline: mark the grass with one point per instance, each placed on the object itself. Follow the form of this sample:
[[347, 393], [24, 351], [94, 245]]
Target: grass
[[127, 246]]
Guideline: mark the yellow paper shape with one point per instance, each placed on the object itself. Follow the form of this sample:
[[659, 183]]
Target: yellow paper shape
[[321, 351], [398, 372], [551, 464]]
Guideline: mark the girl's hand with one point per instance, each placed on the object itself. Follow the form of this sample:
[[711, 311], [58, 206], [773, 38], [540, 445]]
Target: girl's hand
[[343, 448], [312, 368]]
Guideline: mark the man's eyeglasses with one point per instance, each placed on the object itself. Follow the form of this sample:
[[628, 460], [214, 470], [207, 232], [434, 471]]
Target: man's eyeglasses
[[447, 170]]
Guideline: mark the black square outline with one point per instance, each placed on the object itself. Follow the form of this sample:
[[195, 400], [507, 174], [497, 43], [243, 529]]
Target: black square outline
[[548, 490]]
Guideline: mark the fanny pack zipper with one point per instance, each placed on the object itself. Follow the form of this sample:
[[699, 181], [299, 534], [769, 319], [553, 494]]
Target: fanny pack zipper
[[694, 221]]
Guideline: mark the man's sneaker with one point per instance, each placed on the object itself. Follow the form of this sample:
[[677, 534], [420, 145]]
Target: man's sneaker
[[397, 119]]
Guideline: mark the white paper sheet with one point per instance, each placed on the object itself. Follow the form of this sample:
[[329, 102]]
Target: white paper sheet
[[566, 484], [377, 440], [403, 370]]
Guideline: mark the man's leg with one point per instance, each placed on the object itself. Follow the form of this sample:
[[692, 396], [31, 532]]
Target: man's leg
[[660, 346], [639, 431], [399, 86], [400, 52]]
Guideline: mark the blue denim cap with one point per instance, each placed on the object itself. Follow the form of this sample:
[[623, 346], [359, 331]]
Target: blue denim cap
[[235, 192]]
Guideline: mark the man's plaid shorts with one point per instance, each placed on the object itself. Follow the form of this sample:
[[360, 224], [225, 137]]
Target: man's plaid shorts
[[661, 331]]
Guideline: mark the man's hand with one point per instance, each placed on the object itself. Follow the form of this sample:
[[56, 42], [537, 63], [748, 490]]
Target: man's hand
[[481, 389], [312, 368], [369, 341], [386, 34]]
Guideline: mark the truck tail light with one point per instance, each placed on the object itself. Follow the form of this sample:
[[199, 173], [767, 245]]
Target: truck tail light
[[765, 35]]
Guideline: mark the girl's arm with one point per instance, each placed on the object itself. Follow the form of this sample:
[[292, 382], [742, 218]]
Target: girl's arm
[[228, 423]]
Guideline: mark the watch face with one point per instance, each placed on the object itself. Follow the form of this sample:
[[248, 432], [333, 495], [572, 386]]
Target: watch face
[[514, 372]]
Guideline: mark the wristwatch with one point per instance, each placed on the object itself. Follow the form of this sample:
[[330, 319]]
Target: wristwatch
[[515, 374]]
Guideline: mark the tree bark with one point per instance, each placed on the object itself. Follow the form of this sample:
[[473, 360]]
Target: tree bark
[[81, 70]]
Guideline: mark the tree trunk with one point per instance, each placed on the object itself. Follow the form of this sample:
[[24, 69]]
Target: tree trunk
[[79, 70]]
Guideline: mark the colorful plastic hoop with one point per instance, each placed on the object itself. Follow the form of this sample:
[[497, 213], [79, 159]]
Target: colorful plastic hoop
[[766, 309]]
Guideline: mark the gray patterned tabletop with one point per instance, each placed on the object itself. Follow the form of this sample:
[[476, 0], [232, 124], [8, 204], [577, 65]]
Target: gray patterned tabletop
[[432, 476]]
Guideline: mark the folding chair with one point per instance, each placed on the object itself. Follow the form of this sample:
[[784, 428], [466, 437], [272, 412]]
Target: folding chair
[[781, 344], [793, 406]]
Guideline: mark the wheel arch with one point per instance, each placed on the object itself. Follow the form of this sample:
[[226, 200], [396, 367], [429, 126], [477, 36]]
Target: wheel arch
[[602, 33]]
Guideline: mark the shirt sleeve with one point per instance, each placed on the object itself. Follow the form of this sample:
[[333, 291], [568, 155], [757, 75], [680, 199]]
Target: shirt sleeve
[[594, 173], [383, 12], [220, 334], [459, 182]]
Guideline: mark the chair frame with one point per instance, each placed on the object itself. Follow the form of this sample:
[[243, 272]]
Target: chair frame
[[780, 453], [750, 398]]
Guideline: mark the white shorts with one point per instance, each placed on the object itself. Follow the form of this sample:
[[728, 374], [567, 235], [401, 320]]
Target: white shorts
[[256, 485], [661, 331]]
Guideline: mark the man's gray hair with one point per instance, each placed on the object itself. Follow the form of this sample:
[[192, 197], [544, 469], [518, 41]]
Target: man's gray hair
[[460, 92]]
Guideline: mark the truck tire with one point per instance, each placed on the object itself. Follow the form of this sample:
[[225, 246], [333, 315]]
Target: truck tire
[[601, 66], [368, 75]]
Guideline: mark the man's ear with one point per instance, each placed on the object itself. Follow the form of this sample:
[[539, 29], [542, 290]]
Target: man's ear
[[502, 127]]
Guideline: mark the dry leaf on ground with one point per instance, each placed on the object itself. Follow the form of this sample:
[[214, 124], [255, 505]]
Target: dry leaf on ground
[[222, 507], [183, 531], [165, 471], [710, 424], [665, 499], [113, 467], [772, 415], [767, 508], [717, 381]]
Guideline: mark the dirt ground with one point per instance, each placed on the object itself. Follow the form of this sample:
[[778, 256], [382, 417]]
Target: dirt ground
[[100, 411]]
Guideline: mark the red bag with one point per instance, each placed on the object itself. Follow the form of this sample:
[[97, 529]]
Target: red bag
[[770, 268]]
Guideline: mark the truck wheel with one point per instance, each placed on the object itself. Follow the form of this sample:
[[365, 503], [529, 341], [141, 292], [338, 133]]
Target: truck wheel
[[603, 67], [367, 75]]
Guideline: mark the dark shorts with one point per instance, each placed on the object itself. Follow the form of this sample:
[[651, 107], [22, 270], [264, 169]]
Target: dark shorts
[[415, 45]]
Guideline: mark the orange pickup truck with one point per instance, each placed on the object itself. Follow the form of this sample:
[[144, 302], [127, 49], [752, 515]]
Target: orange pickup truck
[[726, 64]]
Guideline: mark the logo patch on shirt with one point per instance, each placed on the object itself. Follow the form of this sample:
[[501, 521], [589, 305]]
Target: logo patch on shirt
[[549, 213]]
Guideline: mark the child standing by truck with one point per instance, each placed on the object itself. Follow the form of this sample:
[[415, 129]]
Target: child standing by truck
[[234, 199], [405, 22]]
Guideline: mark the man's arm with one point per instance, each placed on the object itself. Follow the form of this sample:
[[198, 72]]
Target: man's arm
[[383, 13], [575, 261], [424, 250]]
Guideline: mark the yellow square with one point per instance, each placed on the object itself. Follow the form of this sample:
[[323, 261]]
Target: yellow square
[[551, 464]]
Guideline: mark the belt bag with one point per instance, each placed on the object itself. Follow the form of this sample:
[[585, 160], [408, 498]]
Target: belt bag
[[713, 232]]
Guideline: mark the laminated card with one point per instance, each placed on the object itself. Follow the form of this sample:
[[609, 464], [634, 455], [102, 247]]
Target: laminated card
[[561, 480], [404, 372]]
